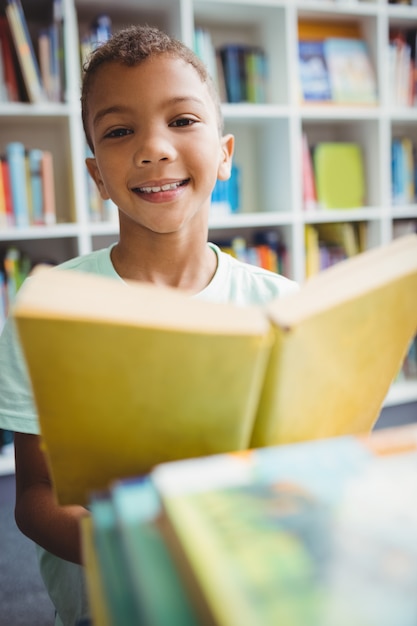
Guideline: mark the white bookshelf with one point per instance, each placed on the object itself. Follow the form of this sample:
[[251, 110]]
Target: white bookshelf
[[268, 137]]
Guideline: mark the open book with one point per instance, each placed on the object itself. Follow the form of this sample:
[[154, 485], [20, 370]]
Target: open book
[[126, 376]]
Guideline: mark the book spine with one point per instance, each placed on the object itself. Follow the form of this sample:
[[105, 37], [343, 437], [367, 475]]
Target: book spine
[[8, 53], [24, 49], [4, 223], [15, 152], [35, 170], [7, 190], [48, 188]]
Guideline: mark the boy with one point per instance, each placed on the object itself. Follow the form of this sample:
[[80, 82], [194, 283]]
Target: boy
[[153, 122]]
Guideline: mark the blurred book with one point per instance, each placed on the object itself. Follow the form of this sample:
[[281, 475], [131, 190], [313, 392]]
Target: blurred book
[[313, 533], [339, 175]]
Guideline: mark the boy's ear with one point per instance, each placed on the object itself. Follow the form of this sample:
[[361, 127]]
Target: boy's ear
[[94, 172], [227, 148]]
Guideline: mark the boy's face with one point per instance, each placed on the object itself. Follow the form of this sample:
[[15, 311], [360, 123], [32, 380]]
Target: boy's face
[[157, 147]]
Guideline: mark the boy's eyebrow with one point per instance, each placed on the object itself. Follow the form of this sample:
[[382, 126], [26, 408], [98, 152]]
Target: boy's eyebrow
[[107, 111], [121, 109]]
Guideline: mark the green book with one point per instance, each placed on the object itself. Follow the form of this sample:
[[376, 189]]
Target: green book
[[122, 608], [158, 588], [340, 176]]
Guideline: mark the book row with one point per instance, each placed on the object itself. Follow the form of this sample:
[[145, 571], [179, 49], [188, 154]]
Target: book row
[[27, 188], [268, 250], [335, 65], [334, 174], [31, 69], [239, 70], [328, 243]]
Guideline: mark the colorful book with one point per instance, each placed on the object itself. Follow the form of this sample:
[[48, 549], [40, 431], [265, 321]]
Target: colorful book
[[15, 153], [34, 157], [158, 590], [308, 178], [315, 533], [189, 378], [351, 74], [7, 191], [10, 61], [339, 175], [25, 52], [314, 74]]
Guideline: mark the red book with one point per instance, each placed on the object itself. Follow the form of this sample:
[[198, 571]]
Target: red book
[[9, 61], [7, 193]]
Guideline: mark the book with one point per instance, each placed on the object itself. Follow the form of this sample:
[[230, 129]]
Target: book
[[308, 533], [351, 74], [7, 191], [319, 532], [97, 598], [308, 179], [339, 175], [15, 153], [244, 68], [34, 159], [158, 590], [10, 61], [313, 72], [48, 188], [128, 375], [24, 48]]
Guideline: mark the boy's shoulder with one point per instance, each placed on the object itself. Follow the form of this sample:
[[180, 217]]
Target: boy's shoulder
[[96, 262], [243, 283]]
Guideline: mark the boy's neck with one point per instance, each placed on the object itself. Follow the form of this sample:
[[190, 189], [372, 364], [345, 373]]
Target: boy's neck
[[185, 266]]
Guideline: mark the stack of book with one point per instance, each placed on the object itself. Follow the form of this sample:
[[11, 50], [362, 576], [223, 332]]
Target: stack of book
[[314, 533]]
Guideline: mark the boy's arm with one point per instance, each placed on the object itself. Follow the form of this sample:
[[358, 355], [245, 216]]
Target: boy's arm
[[38, 515]]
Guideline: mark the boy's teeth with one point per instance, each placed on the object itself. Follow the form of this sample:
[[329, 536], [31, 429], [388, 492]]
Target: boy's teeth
[[167, 187]]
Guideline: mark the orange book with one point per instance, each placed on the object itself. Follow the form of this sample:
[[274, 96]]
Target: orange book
[[7, 192]]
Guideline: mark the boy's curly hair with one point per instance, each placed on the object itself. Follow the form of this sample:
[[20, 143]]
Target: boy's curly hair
[[132, 45]]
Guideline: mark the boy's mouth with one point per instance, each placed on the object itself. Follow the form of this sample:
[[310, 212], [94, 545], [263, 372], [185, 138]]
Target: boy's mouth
[[148, 189]]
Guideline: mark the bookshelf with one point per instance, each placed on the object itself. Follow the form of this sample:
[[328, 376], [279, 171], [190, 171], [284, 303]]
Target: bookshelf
[[268, 135]]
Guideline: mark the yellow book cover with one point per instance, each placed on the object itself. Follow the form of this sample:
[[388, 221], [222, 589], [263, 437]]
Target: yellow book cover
[[126, 376], [340, 175]]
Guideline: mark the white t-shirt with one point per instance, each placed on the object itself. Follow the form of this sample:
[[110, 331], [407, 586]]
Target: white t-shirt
[[234, 282]]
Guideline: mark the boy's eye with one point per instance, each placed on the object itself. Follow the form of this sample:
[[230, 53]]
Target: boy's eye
[[182, 121], [118, 132]]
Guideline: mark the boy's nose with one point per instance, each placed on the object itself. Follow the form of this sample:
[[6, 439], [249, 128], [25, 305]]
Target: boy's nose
[[153, 148]]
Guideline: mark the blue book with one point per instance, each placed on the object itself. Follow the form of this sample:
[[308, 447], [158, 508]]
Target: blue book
[[159, 592], [36, 188], [233, 63], [15, 154], [314, 74]]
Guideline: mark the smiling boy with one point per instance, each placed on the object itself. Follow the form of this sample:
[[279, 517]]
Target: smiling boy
[[153, 121]]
